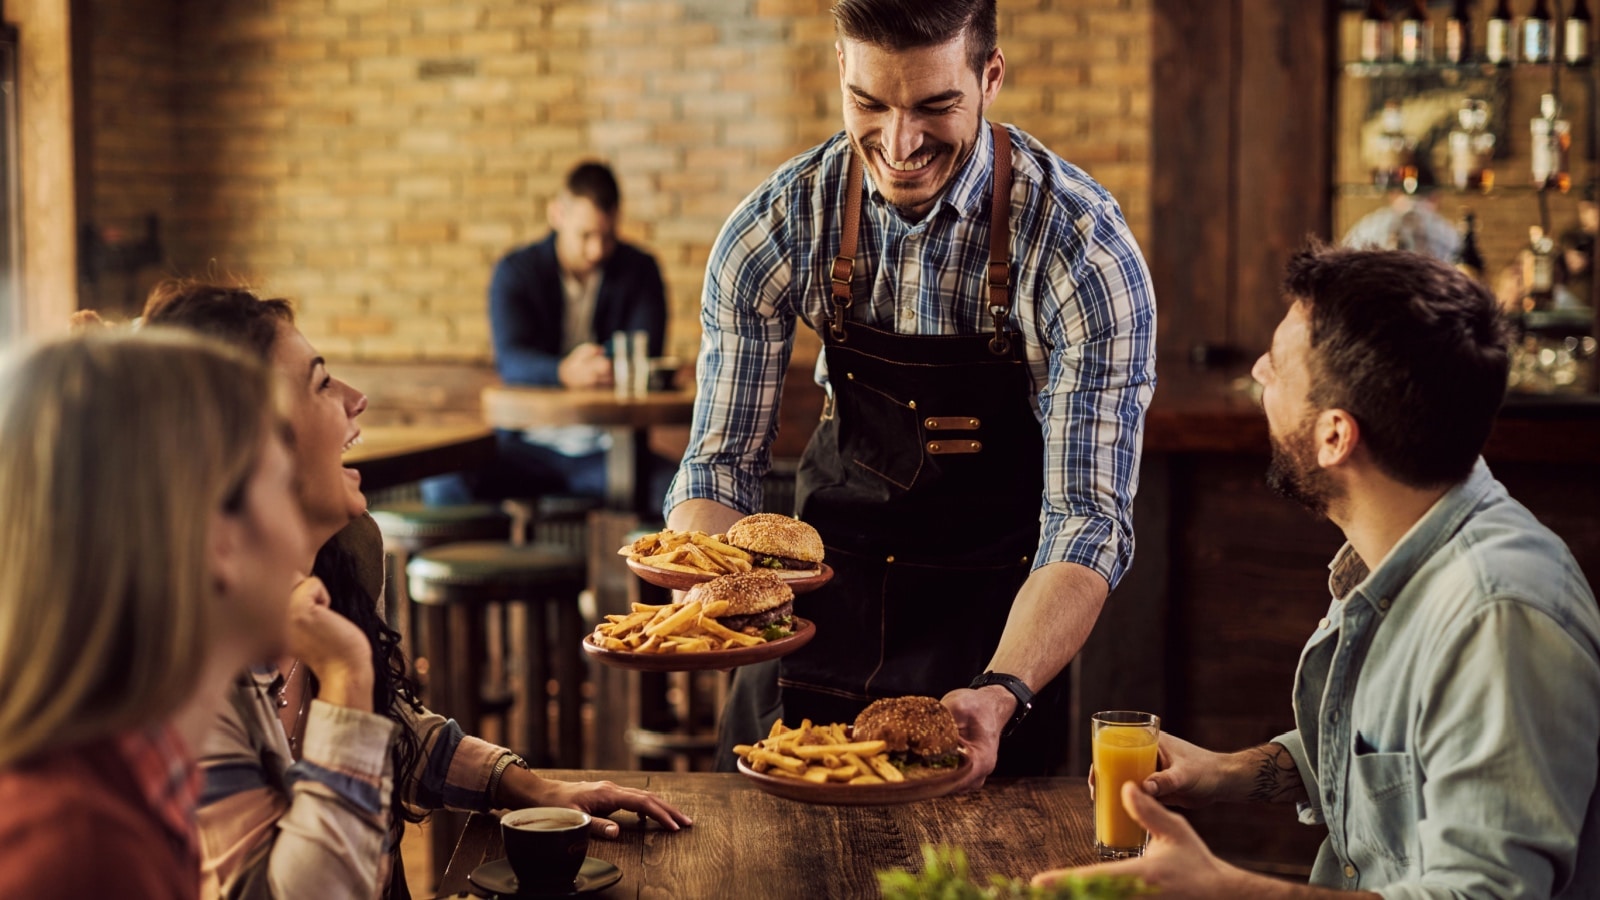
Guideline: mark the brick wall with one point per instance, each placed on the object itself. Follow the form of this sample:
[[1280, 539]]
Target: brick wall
[[373, 158]]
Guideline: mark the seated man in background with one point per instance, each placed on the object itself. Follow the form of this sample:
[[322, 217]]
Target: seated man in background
[[553, 308], [1447, 722]]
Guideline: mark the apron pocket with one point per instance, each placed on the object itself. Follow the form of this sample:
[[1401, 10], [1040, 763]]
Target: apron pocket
[[942, 624], [881, 436]]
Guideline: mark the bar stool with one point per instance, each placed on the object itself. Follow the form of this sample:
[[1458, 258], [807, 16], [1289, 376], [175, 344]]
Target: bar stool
[[458, 584], [411, 527]]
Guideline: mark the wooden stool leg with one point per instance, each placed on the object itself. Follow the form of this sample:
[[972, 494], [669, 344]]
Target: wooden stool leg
[[536, 697], [467, 647], [436, 650], [570, 673]]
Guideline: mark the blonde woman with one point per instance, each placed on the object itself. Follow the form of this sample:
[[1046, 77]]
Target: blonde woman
[[149, 550]]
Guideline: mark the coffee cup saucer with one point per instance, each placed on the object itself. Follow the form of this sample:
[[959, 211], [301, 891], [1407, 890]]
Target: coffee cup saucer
[[497, 878]]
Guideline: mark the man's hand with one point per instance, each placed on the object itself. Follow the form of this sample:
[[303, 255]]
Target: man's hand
[[585, 367], [1186, 775], [1176, 863], [331, 646], [597, 798], [980, 715], [1193, 777]]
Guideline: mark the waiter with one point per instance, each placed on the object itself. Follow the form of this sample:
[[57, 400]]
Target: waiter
[[988, 331]]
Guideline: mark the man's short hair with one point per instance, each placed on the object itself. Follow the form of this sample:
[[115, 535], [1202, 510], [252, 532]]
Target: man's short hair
[[1411, 347], [912, 24], [594, 182]]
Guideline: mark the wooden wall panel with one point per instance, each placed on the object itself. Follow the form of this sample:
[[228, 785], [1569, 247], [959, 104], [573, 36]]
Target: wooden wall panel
[[1191, 190]]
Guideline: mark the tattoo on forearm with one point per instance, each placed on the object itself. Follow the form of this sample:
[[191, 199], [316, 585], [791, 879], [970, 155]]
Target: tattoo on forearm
[[1277, 778]]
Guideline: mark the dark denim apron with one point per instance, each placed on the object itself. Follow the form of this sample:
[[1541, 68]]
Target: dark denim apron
[[924, 479]]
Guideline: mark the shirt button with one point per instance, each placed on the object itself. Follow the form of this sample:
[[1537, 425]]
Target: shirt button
[[1323, 624], [1334, 716], [1349, 871], [1384, 603]]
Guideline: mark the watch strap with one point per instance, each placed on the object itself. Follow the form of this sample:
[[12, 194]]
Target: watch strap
[[1018, 689]]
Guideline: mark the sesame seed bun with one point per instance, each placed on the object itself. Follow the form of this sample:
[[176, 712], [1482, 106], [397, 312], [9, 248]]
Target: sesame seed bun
[[779, 537], [920, 727], [755, 599]]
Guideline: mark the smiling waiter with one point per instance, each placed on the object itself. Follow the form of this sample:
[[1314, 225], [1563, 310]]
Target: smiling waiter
[[989, 333]]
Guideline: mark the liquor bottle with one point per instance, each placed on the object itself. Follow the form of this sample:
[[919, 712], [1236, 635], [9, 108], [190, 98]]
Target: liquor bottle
[[1416, 34], [1471, 147], [1538, 270], [1575, 34], [1394, 155], [1458, 33], [1552, 138], [1377, 33], [1497, 34], [1536, 33], [1469, 258]]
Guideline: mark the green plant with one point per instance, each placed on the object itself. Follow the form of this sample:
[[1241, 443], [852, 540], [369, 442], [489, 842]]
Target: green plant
[[945, 876]]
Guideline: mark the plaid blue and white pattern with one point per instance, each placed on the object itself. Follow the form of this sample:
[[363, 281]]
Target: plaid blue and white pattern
[[1081, 298]]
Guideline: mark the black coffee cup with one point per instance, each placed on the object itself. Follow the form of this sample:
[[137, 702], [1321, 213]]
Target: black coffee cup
[[546, 846]]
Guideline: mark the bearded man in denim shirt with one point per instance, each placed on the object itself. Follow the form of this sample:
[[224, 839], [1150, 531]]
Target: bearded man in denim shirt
[[1448, 706]]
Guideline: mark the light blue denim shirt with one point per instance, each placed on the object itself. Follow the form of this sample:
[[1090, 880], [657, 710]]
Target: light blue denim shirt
[[1448, 711]]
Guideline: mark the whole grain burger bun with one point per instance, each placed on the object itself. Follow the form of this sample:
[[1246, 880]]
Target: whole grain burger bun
[[756, 600], [920, 727], [777, 542]]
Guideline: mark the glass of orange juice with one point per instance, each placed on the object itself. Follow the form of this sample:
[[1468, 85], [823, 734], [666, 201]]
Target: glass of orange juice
[[1124, 750]]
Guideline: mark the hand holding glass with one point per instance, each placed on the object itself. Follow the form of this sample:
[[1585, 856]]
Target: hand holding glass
[[1124, 745]]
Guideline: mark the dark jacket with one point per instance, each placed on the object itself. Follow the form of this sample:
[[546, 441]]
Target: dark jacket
[[527, 306]]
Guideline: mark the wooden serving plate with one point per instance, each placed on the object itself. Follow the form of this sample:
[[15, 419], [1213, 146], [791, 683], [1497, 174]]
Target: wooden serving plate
[[732, 658], [798, 582], [839, 794]]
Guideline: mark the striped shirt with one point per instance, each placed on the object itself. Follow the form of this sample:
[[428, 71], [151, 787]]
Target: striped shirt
[[319, 825], [1081, 298]]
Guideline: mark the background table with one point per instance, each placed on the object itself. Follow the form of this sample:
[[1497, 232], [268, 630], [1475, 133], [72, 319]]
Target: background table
[[397, 454], [746, 843], [627, 419]]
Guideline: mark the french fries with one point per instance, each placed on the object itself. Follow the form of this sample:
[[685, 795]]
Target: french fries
[[692, 552], [681, 628], [820, 754]]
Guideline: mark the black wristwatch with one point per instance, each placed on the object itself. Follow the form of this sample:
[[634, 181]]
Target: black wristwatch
[[1018, 689]]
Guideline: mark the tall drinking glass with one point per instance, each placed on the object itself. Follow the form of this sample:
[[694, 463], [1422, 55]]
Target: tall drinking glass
[[1124, 750]]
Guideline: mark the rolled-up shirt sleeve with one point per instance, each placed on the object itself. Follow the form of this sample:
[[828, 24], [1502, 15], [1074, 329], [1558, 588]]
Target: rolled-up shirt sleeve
[[747, 328], [1100, 377], [1310, 809]]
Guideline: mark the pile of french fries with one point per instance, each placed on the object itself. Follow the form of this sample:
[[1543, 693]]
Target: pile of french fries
[[690, 627], [819, 754], [688, 551]]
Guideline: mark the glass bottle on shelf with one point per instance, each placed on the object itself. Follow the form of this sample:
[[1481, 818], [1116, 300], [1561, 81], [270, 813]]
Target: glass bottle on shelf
[[1416, 34], [1469, 258], [1552, 139], [1392, 152], [1536, 33], [1377, 33], [1575, 34], [1471, 147], [1458, 33], [1538, 270], [1497, 34]]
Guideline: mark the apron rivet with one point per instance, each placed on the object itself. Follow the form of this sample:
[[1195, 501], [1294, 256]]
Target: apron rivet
[[973, 444], [850, 375], [890, 559], [933, 424], [912, 404], [933, 447], [972, 423]]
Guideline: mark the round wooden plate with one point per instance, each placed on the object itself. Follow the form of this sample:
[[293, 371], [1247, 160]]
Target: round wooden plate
[[840, 794], [804, 631], [798, 582]]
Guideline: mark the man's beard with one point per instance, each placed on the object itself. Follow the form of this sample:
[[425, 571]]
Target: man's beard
[[1293, 472]]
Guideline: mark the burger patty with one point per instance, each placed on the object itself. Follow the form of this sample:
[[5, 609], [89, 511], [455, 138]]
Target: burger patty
[[760, 620], [766, 561]]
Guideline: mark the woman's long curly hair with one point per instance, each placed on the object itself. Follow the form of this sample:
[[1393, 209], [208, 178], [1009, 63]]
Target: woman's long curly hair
[[236, 315]]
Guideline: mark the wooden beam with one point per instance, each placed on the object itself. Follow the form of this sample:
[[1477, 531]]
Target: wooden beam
[[46, 163]]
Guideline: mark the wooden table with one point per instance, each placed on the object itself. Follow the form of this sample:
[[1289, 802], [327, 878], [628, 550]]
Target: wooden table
[[746, 843], [397, 454], [627, 419]]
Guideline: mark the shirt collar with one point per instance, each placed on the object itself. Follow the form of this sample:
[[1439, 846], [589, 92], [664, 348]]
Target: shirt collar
[[1349, 572], [968, 192], [167, 777]]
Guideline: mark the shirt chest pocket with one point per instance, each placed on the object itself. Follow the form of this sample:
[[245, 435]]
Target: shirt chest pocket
[[1381, 816]]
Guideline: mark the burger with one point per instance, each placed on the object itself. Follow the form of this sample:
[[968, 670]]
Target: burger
[[778, 542], [919, 732], [759, 603]]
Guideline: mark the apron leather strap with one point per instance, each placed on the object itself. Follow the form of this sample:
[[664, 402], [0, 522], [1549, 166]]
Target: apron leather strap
[[999, 276], [1000, 241], [844, 264]]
